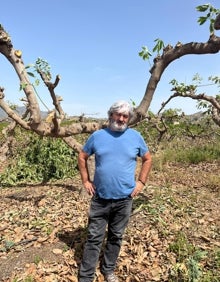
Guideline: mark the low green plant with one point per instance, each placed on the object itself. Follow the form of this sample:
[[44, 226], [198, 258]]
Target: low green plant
[[37, 259], [186, 152], [213, 272], [190, 261], [181, 247], [40, 160], [7, 245], [29, 279], [3, 124], [26, 279]]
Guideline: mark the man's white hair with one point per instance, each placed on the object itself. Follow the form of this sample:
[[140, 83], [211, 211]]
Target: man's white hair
[[122, 107]]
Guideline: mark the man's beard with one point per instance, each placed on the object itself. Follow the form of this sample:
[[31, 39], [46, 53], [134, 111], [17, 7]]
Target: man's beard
[[117, 126]]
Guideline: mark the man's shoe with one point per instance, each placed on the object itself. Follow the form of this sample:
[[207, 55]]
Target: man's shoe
[[111, 277]]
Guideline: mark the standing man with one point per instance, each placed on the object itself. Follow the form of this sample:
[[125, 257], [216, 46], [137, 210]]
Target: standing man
[[116, 149]]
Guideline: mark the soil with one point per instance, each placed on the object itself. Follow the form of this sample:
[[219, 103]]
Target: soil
[[43, 228]]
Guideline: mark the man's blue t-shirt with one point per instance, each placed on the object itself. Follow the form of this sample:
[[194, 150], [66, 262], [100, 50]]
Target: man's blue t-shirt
[[115, 160]]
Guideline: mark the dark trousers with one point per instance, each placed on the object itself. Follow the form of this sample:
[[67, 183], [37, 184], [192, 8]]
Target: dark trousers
[[115, 214]]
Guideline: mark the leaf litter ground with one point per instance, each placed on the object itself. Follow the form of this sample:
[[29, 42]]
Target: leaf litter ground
[[43, 228]]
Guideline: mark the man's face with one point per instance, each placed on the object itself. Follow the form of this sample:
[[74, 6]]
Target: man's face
[[119, 121]]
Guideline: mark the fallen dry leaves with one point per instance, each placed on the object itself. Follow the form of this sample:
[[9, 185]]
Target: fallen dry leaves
[[43, 227]]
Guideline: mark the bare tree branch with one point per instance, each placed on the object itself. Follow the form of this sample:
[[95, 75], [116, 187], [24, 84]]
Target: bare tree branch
[[53, 127], [202, 96], [35, 122], [169, 55]]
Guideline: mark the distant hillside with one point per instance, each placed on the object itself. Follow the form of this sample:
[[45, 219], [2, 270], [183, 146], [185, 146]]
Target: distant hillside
[[196, 117], [2, 114], [20, 111]]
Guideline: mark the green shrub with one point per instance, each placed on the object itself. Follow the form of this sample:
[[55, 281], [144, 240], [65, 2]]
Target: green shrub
[[188, 152], [41, 160]]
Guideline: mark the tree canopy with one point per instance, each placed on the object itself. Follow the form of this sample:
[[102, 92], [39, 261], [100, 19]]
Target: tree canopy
[[53, 125]]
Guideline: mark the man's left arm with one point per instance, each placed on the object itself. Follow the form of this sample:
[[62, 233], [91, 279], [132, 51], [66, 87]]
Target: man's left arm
[[143, 175]]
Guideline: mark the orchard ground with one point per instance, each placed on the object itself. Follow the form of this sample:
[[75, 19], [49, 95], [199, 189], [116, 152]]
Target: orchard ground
[[174, 229]]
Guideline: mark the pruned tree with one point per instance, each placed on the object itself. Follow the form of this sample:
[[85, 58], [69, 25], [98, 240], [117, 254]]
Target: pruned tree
[[52, 126], [170, 54]]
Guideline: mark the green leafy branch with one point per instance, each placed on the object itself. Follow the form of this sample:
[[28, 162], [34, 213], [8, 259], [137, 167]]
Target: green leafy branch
[[40, 66], [212, 12], [210, 16], [145, 54]]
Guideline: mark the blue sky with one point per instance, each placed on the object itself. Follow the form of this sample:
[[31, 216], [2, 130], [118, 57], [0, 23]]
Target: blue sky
[[94, 44]]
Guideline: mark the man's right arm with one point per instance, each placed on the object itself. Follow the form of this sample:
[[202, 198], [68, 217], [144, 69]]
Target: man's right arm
[[84, 172]]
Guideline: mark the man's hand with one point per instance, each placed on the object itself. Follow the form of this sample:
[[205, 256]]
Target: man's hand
[[90, 188], [138, 188]]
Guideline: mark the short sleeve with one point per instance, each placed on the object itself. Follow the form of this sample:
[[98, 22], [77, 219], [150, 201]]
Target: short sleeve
[[89, 145], [143, 149]]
